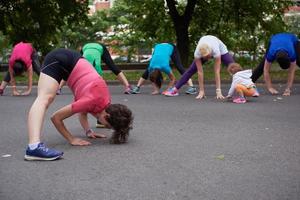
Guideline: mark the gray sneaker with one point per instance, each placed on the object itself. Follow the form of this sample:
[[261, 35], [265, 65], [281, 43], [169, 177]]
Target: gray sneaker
[[191, 90], [136, 90]]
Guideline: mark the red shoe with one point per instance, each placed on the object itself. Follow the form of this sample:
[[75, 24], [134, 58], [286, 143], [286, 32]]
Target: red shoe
[[1, 92]]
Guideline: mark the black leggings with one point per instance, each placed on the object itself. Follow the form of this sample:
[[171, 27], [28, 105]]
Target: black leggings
[[108, 61], [176, 60], [36, 66], [258, 71], [297, 48]]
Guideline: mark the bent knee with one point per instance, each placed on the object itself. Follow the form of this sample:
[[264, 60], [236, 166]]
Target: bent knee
[[46, 99], [239, 87]]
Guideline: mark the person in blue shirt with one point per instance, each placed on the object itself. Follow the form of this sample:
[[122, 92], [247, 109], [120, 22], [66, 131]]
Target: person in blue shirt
[[285, 49], [160, 62]]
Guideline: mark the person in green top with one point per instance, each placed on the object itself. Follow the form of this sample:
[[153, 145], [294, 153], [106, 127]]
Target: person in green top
[[96, 53], [93, 52]]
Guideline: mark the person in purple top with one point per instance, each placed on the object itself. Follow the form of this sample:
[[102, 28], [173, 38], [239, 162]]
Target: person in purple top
[[285, 49]]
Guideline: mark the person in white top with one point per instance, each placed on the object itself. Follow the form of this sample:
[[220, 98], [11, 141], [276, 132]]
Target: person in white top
[[208, 47], [210, 43], [241, 83]]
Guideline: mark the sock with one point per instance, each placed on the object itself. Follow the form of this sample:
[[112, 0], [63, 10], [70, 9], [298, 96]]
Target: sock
[[33, 146]]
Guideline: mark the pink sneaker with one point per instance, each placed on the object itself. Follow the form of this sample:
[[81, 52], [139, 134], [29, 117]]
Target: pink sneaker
[[256, 94], [239, 100], [128, 90], [164, 92], [172, 92]]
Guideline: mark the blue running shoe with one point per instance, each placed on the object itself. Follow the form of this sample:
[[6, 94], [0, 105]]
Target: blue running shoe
[[42, 153], [136, 90], [191, 90]]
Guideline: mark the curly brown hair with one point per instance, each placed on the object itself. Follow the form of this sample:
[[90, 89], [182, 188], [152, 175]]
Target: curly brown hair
[[121, 119], [156, 77]]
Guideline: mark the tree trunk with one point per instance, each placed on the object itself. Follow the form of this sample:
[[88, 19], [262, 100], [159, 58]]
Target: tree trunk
[[183, 45], [181, 24]]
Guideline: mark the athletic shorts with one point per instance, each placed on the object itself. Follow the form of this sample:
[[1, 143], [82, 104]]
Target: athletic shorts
[[59, 63]]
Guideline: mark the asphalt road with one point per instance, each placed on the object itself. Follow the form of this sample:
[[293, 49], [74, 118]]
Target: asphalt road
[[179, 148]]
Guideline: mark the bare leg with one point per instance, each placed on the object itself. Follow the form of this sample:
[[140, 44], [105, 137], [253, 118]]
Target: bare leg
[[47, 87], [62, 84], [3, 85], [121, 77], [141, 82], [190, 83], [155, 89], [241, 90]]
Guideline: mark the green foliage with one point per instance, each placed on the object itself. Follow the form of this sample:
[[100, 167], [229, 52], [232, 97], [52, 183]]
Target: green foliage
[[38, 21], [148, 19], [137, 27], [4, 46], [243, 25], [293, 23], [76, 34]]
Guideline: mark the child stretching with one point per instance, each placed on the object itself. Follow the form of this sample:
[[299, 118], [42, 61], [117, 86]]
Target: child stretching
[[241, 83]]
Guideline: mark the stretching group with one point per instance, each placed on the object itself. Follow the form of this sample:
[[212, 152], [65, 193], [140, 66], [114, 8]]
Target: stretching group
[[82, 72]]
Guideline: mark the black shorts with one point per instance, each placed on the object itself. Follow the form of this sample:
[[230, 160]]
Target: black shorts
[[59, 63]]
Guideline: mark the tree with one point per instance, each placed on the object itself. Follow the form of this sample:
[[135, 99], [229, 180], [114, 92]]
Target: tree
[[231, 20], [137, 27], [76, 34], [181, 24], [38, 21], [4, 46], [293, 22]]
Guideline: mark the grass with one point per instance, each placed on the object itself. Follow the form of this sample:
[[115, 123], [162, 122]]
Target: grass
[[133, 76], [276, 75]]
